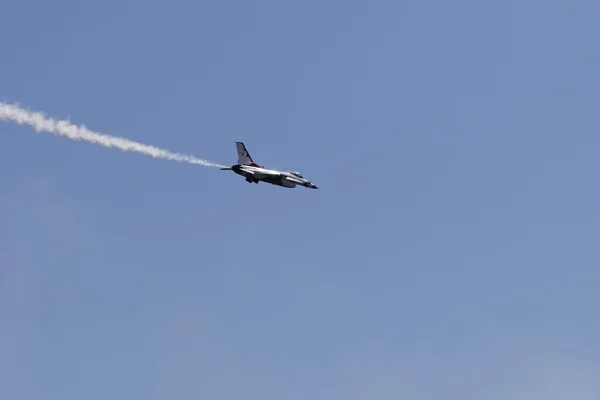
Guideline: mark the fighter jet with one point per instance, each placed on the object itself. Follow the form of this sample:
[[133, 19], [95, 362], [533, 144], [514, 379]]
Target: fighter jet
[[254, 172]]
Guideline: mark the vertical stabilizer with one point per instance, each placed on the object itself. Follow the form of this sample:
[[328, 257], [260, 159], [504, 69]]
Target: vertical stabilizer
[[243, 155]]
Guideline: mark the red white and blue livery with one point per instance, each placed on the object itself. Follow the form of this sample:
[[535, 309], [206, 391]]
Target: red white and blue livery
[[254, 172]]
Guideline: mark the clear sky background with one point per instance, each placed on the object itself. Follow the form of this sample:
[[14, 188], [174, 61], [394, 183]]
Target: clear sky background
[[451, 252]]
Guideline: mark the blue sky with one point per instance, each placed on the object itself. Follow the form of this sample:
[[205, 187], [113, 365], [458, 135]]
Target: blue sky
[[451, 251]]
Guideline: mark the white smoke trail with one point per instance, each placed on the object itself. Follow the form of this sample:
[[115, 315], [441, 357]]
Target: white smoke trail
[[41, 123]]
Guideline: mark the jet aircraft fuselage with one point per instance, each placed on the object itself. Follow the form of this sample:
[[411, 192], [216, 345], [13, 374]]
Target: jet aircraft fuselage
[[253, 172]]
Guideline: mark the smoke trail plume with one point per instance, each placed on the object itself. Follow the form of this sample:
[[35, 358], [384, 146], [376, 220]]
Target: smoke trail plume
[[41, 123]]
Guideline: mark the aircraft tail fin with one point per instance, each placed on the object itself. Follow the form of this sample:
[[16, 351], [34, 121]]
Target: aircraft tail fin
[[243, 155]]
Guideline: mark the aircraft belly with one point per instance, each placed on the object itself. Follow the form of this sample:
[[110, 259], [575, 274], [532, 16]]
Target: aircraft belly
[[286, 183], [277, 180]]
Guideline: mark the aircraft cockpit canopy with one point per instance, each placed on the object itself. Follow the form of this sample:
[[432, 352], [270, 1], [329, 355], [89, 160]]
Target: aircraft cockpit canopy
[[297, 174]]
